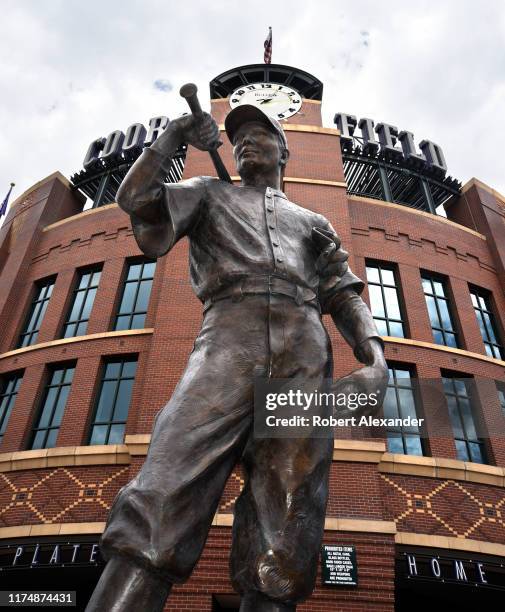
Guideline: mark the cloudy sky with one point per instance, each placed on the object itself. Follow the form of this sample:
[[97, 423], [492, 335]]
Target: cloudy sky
[[72, 71]]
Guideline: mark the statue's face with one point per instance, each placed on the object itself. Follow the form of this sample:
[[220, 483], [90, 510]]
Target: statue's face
[[256, 149]]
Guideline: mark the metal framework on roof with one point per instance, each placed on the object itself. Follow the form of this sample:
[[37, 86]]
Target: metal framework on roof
[[395, 179], [372, 176], [305, 84], [100, 183]]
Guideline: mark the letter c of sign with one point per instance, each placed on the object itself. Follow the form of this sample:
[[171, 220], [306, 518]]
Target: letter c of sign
[[93, 152]]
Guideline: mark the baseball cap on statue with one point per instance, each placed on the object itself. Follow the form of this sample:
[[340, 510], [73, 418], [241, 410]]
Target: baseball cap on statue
[[246, 113]]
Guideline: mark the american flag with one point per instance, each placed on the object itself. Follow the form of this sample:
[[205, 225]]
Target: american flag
[[267, 57], [3, 206]]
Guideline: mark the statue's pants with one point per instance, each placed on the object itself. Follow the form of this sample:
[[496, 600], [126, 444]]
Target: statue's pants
[[160, 520]]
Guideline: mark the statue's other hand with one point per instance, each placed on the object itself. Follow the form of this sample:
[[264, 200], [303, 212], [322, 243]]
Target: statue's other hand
[[365, 390], [332, 260], [202, 133]]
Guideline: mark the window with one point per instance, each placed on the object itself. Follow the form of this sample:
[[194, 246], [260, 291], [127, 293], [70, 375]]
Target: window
[[9, 388], [113, 402], [53, 406], [82, 302], [384, 302], [501, 395], [438, 308], [400, 403], [487, 324], [136, 292], [36, 314], [469, 446]]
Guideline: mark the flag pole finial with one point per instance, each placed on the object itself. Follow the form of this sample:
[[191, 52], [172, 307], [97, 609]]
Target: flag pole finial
[[267, 56]]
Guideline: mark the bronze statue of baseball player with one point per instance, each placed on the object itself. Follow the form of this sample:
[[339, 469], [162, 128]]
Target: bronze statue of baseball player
[[265, 270]]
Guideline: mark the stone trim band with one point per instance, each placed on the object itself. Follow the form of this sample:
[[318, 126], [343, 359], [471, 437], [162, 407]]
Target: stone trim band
[[331, 524], [136, 446], [359, 451], [220, 520], [445, 349], [88, 337]]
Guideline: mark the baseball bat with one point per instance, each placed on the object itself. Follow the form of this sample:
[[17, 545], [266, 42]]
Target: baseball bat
[[189, 92]]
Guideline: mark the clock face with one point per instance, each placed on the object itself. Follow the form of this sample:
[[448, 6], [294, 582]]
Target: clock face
[[278, 101]]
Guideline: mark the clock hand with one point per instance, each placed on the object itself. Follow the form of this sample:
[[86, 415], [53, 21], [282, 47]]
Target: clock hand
[[265, 100]]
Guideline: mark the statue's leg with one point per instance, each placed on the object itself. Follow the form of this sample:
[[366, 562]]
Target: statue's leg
[[160, 520], [124, 586], [279, 517], [279, 522]]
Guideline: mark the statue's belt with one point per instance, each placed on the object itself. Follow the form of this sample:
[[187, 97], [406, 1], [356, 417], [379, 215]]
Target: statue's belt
[[257, 285]]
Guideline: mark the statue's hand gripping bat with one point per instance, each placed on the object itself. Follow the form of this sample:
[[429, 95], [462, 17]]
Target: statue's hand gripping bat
[[189, 92]]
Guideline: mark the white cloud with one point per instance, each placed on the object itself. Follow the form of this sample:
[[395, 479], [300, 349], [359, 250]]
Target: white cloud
[[72, 71]]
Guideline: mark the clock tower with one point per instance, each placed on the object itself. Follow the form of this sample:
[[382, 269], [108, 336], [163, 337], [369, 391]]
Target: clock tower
[[288, 94]]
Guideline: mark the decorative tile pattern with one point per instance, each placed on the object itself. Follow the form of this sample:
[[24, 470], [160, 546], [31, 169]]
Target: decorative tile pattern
[[57, 495], [446, 507]]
